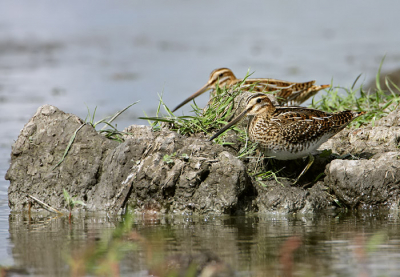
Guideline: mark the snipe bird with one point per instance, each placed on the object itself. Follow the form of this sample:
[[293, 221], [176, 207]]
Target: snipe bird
[[287, 133], [287, 92]]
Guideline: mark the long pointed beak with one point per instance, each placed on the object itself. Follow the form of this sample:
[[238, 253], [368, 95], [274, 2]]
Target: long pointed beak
[[194, 95], [230, 124]]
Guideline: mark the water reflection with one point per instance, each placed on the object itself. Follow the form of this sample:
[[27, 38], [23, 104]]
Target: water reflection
[[253, 245]]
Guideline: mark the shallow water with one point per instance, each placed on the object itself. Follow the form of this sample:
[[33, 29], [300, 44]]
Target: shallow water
[[345, 244], [74, 55]]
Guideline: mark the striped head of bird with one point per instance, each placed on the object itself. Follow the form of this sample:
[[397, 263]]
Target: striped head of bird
[[221, 76], [257, 103]]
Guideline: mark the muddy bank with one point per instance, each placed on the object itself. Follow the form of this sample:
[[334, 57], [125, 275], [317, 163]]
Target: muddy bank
[[169, 173], [372, 179]]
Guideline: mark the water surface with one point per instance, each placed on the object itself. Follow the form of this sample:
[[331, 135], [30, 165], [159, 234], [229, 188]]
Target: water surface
[[342, 244]]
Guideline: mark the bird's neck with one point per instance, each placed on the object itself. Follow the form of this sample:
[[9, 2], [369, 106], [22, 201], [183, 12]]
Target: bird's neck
[[261, 118]]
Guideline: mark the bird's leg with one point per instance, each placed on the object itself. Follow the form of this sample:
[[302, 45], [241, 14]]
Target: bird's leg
[[258, 159], [310, 162]]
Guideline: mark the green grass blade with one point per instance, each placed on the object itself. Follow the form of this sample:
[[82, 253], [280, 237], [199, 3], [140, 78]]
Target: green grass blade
[[116, 115], [378, 75], [355, 81], [69, 146]]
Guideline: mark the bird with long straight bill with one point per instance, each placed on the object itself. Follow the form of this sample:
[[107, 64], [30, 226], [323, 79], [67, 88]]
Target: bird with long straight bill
[[290, 93], [287, 133]]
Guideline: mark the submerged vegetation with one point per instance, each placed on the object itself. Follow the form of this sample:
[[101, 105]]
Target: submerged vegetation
[[103, 257], [71, 202]]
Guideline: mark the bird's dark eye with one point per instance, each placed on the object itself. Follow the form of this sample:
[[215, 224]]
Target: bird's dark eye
[[259, 100], [220, 75]]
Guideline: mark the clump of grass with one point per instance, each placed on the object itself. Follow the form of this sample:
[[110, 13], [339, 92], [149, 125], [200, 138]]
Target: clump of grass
[[203, 121], [112, 132], [376, 103], [217, 113]]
